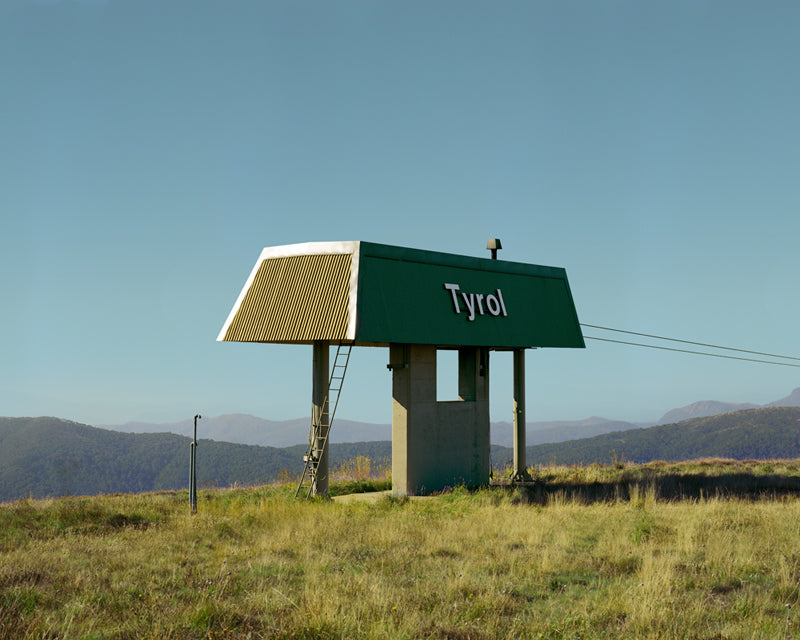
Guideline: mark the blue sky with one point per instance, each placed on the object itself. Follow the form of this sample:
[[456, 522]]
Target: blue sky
[[150, 150]]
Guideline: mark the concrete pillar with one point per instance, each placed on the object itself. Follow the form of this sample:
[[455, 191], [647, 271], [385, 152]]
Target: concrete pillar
[[438, 444], [413, 416], [468, 363], [320, 417], [520, 465]]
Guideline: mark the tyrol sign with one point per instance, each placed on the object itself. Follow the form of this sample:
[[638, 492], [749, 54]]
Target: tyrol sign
[[474, 302]]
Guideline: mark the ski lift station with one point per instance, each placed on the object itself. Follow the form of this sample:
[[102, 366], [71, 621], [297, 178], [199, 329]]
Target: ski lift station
[[416, 303]]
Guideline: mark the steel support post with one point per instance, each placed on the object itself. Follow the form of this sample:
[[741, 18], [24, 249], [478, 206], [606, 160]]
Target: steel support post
[[193, 468], [320, 415], [520, 466], [192, 477]]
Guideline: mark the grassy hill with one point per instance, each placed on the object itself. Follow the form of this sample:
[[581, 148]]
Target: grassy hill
[[52, 457], [495, 563]]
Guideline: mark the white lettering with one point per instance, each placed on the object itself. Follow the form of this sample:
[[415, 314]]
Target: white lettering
[[474, 302], [469, 300], [452, 288], [502, 304], [493, 305]]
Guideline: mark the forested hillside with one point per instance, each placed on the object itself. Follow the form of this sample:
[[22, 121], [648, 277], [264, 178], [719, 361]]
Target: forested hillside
[[52, 457], [765, 433]]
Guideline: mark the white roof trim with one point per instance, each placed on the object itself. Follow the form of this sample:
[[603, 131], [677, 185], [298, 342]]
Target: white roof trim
[[309, 249], [235, 310], [301, 249], [353, 301]]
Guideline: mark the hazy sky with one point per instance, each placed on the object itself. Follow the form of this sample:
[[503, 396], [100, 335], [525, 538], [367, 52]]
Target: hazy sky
[[149, 150]]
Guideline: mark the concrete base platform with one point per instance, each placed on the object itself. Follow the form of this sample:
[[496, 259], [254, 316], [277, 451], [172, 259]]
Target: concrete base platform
[[371, 497]]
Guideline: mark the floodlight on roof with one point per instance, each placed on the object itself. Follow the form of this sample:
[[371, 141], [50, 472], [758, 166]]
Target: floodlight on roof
[[493, 245]]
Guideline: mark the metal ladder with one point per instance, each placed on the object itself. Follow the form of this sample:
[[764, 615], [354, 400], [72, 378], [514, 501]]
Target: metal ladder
[[317, 446]]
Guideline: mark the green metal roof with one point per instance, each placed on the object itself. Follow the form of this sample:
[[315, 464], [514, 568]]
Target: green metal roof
[[385, 294]]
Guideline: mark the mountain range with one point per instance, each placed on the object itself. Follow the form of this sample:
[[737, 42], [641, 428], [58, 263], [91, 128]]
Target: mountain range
[[47, 456], [712, 407], [42, 457], [242, 428], [52, 457], [764, 433]]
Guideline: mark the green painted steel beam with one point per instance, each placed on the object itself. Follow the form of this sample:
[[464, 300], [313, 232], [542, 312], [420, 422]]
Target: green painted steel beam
[[427, 297]]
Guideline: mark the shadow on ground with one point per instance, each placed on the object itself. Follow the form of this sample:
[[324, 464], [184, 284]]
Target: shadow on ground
[[668, 486]]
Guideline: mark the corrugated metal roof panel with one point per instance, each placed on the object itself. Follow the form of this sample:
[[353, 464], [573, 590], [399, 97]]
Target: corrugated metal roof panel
[[298, 298]]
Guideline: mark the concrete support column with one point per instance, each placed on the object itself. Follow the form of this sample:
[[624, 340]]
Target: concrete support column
[[520, 465], [414, 424], [438, 444], [320, 416]]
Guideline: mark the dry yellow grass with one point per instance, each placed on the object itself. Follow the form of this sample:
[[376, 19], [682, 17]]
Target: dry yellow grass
[[496, 563]]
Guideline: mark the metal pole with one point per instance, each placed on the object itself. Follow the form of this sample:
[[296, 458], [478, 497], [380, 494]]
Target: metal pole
[[520, 465], [320, 415], [193, 468], [192, 502]]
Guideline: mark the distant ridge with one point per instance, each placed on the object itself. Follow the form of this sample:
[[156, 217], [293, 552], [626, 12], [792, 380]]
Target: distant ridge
[[702, 409], [242, 428], [558, 431], [762, 434], [712, 407], [792, 400], [46, 456], [52, 457]]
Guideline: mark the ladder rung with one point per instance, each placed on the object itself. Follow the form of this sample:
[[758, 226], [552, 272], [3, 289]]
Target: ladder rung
[[316, 450]]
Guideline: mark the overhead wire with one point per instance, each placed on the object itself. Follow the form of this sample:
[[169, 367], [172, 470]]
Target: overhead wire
[[700, 353], [701, 344]]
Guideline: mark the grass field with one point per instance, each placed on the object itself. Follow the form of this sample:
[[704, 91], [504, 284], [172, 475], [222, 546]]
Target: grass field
[[705, 550]]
